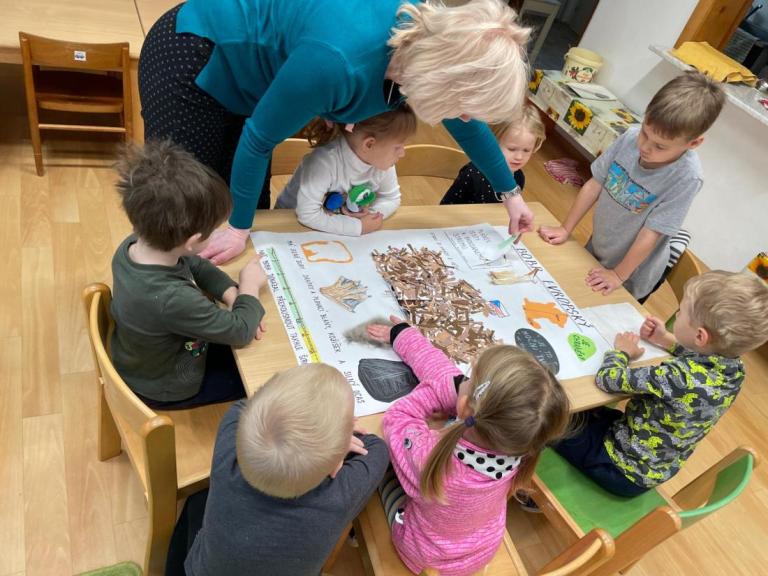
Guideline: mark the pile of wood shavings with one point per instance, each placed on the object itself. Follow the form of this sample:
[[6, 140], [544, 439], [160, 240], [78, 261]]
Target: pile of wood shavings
[[436, 301]]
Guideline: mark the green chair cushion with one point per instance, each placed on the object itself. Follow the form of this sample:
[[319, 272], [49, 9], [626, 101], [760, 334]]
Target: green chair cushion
[[587, 503], [121, 569]]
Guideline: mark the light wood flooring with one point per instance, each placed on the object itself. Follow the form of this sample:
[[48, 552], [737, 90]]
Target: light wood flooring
[[62, 512]]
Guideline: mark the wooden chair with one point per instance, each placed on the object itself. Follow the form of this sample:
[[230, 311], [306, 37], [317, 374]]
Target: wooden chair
[[170, 452], [576, 505], [83, 82], [687, 267], [432, 161], [381, 559]]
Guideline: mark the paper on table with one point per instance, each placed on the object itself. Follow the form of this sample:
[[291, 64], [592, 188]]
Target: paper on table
[[610, 319]]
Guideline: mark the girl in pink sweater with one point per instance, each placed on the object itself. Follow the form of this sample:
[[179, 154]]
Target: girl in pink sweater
[[456, 479]]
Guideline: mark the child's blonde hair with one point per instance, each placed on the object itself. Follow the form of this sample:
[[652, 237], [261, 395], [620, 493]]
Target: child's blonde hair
[[295, 430], [523, 409], [686, 106], [732, 307], [529, 119], [467, 59], [399, 123]]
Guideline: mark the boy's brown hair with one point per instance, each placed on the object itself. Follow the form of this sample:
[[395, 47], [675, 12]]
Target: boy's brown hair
[[732, 307], [686, 106], [168, 195], [398, 123]]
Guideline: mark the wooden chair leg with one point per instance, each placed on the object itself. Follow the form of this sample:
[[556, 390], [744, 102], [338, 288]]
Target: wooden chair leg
[[109, 437], [336, 549]]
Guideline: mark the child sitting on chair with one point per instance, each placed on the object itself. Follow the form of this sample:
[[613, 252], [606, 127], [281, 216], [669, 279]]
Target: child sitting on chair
[[171, 343], [448, 511], [643, 185], [289, 474], [347, 185], [518, 142], [675, 404]]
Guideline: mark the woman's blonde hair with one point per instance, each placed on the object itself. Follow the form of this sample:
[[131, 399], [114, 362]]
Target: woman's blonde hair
[[522, 409], [468, 59], [529, 119], [398, 123], [294, 430]]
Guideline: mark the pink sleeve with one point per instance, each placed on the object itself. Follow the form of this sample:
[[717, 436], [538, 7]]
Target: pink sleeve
[[405, 426], [427, 362], [408, 436]]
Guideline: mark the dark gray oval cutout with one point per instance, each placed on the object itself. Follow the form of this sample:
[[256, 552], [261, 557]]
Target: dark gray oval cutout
[[539, 346]]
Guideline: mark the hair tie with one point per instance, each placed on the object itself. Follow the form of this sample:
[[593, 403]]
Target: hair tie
[[469, 421]]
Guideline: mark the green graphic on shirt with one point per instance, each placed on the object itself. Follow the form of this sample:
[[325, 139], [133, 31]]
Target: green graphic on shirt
[[583, 346]]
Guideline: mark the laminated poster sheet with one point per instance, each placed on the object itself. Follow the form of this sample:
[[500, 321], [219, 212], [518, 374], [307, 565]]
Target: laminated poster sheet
[[455, 284]]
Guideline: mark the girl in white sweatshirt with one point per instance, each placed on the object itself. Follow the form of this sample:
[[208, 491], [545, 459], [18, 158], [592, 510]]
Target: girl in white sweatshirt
[[347, 157]]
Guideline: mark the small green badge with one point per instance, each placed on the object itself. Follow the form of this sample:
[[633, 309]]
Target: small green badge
[[583, 346]]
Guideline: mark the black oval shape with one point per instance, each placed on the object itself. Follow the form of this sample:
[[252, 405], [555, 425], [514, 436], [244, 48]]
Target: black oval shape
[[539, 346]]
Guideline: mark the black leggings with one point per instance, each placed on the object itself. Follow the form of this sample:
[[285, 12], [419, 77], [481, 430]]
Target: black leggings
[[174, 107]]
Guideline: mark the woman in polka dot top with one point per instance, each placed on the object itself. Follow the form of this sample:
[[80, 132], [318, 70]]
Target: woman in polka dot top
[[456, 480]]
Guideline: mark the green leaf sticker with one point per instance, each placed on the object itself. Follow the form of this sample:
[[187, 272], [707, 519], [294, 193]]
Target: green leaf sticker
[[583, 346]]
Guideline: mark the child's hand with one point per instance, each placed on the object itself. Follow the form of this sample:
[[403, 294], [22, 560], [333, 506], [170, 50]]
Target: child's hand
[[252, 277], [371, 221], [260, 330], [554, 234], [628, 342], [381, 332], [603, 280], [357, 446], [654, 331]]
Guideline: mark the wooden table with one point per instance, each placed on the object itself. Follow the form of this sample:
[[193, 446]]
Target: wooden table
[[567, 263]]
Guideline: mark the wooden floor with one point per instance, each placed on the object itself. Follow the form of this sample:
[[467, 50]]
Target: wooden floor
[[62, 512]]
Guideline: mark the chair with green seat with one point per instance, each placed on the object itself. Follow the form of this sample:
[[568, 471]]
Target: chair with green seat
[[576, 505]]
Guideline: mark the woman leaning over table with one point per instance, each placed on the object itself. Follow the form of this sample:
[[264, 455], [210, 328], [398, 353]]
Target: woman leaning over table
[[231, 79]]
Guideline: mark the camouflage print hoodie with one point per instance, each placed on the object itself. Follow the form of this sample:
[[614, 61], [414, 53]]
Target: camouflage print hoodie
[[673, 406]]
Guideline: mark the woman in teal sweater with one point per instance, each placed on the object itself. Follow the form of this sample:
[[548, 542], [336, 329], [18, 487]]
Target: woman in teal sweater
[[231, 79]]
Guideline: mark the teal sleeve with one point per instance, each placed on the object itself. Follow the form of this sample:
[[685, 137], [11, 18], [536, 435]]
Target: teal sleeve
[[209, 277], [481, 146], [314, 80]]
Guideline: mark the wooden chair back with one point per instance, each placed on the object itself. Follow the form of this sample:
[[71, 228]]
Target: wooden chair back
[[147, 437], [686, 268], [73, 86], [287, 156], [432, 161]]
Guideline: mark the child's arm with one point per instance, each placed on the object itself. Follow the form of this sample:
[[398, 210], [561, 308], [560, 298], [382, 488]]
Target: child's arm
[[616, 376], [427, 362], [210, 278], [586, 198], [361, 474], [316, 179], [606, 281], [406, 429], [388, 194], [189, 313]]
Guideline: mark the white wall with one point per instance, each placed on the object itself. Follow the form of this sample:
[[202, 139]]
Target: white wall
[[729, 218]]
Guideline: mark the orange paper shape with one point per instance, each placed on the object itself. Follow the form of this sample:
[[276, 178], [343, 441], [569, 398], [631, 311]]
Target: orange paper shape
[[545, 310], [332, 251]]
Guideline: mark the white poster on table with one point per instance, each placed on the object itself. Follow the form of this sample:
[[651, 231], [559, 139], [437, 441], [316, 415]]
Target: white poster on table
[[326, 286]]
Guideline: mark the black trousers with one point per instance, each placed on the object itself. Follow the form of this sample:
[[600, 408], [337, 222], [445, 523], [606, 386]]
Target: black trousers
[[174, 107]]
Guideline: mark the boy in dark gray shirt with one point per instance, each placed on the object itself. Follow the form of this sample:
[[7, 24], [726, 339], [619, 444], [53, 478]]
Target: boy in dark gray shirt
[[289, 474], [171, 343], [643, 185]]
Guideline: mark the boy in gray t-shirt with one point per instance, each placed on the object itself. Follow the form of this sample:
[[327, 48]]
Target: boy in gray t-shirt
[[643, 186]]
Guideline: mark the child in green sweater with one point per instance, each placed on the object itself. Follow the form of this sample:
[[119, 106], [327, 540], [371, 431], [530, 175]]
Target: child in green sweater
[[171, 343]]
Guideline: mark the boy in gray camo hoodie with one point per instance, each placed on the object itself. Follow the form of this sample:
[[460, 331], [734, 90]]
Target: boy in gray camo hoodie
[[672, 405]]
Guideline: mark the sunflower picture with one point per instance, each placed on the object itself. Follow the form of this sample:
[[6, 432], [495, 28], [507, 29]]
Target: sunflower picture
[[533, 84], [625, 115], [759, 265], [578, 116]]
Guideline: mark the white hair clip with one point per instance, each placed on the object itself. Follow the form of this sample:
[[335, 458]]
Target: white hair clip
[[480, 390]]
